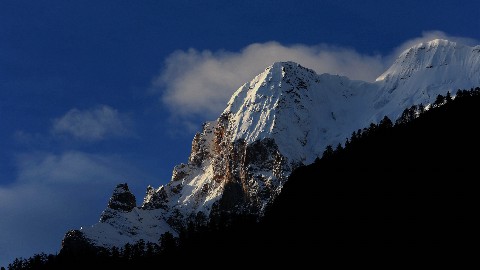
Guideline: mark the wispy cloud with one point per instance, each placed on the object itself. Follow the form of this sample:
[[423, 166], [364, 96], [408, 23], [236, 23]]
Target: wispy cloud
[[69, 167], [197, 84], [93, 124]]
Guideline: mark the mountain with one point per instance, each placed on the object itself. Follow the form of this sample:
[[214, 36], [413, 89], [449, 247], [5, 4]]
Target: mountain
[[394, 191], [282, 119]]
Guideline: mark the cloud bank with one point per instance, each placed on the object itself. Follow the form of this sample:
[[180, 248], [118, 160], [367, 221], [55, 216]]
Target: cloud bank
[[93, 124], [198, 84]]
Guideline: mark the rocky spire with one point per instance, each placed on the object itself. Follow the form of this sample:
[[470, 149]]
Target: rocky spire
[[122, 199]]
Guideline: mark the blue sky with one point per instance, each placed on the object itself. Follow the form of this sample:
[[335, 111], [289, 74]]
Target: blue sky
[[93, 93]]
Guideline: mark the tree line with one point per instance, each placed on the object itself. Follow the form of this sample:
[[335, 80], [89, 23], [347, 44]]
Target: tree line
[[408, 115]]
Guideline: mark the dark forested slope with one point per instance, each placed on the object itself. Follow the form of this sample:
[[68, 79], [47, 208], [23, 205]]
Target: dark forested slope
[[403, 190], [411, 187]]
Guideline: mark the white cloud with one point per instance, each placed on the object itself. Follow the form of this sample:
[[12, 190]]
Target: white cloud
[[198, 84], [54, 193], [69, 167], [94, 124]]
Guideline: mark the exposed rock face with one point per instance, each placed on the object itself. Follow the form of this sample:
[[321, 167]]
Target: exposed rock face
[[155, 199], [252, 176], [283, 118], [226, 175], [122, 200], [123, 222]]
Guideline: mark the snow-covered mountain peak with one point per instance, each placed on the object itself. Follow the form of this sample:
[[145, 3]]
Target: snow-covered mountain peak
[[425, 70], [295, 107], [437, 53], [268, 83], [283, 118], [432, 44]]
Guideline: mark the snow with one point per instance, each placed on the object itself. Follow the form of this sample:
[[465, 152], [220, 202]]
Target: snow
[[302, 121], [128, 227], [332, 107], [302, 112], [422, 72]]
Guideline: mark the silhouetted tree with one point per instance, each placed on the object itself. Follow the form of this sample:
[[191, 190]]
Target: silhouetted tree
[[339, 148], [439, 101], [347, 143], [138, 249], [421, 108], [328, 153], [17, 264], [167, 242], [448, 97], [408, 115], [354, 137], [115, 253], [385, 123], [151, 250], [459, 94], [127, 251]]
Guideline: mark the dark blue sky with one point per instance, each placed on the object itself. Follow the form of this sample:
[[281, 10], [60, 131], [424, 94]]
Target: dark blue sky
[[91, 91]]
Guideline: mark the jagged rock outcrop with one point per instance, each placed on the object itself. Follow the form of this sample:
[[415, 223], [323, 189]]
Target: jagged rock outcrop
[[155, 199], [122, 200], [123, 222], [283, 118]]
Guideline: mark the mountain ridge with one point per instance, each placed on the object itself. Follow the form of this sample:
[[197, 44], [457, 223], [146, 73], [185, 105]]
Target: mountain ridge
[[282, 119], [368, 199]]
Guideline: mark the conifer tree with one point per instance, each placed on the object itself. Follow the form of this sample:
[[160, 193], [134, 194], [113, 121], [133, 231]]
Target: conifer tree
[[439, 101], [385, 123], [448, 97], [328, 152]]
